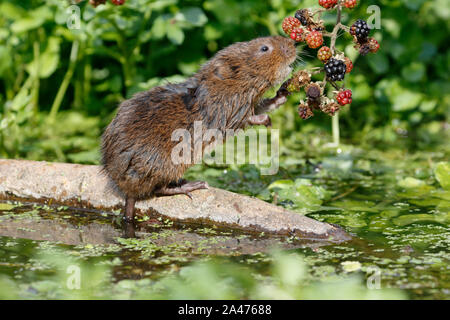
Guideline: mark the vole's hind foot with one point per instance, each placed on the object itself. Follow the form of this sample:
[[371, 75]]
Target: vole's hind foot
[[260, 119], [128, 229], [128, 217], [183, 188]]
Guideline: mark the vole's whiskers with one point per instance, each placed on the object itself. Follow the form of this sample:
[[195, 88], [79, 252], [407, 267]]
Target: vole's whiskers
[[300, 62], [307, 54]]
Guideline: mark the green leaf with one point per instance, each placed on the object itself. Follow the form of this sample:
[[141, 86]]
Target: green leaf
[[11, 11], [413, 72], [281, 184], [301, 193], [413, 4], [442, 173], [379, 63], [428, 105], [350, 266], [355, 205], [33, 20], [48, 60], [26, 24], [161, 4], [410, 182], [195, 16], [6, 206], [175, 34], [420, 217], [5, 59], [159, 28], [406, 100]]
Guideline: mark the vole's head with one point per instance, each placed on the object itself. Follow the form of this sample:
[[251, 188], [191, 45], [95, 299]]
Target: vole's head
[[272, 57], [260, 63]]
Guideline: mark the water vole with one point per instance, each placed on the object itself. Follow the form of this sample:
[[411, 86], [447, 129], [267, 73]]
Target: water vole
[[226, 93]]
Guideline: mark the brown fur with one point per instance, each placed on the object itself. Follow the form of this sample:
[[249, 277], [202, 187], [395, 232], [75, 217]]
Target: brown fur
[[137, 146]]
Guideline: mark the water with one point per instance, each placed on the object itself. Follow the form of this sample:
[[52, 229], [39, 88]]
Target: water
[[398, 214]]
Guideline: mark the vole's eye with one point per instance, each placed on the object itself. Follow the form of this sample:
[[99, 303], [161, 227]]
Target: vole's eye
[[264, 48]]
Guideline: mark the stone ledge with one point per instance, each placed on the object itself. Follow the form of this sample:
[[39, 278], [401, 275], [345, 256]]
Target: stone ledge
[[86, 187]]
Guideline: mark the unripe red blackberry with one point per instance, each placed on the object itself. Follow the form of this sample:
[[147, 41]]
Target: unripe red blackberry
[[96, 3], [373, 45], [297, 34], [327, 4], [335, 69], [360, 29], [344, 97], [324, 54], [314, 39], [118, 2], [289, 24], [304, 111], [348, 64], [350, 3]]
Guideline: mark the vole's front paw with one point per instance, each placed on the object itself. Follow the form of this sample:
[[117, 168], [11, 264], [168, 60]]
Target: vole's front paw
[[260, 120], [279, 100]]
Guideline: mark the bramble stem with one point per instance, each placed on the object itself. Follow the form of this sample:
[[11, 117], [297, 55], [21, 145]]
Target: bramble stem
[[335, 129], [335, 119]]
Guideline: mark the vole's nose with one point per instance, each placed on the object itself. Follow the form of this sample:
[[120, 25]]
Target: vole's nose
[[289, 48]]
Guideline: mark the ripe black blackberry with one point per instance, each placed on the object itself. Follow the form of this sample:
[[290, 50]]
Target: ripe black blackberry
[[302, 15], [360, 29], [335, 69]]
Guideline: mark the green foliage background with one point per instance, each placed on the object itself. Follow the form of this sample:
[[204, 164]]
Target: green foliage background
[[60, 87]]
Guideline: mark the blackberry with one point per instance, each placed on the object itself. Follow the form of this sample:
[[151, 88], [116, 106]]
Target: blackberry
[[327, 4], [302, 16], [324, 54], [290, 23], [298, 80], [304, 111], [330, 108], [314, 39], [297, 34], [96, 3], [373, 44], [344, 97], [360, 29], [313, 92], [350, 3], [364, 49], [335, 69], [348, 64], [303, 77]]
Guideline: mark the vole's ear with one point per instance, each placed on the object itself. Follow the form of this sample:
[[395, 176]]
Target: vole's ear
[[222, 72], [225, 70]]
